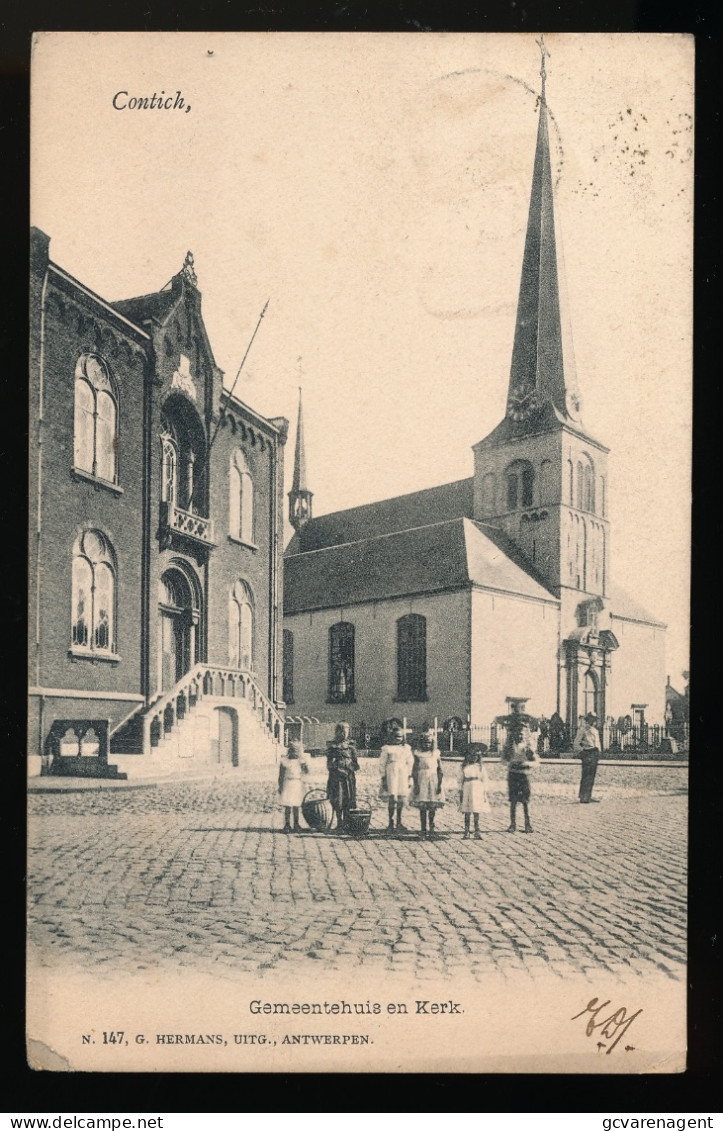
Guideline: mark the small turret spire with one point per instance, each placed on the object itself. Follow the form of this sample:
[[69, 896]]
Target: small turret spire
[[299, 483], [300, 496]]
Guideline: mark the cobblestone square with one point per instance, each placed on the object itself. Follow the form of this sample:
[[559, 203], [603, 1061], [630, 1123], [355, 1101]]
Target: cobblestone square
[[199, 874]]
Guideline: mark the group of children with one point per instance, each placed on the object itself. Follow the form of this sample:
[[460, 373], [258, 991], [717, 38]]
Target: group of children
[[411, 776]]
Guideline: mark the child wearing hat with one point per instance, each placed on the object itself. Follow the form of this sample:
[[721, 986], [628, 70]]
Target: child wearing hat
[[395, 763], [473, 782], [586, 747], [519, 754], [293, 768]]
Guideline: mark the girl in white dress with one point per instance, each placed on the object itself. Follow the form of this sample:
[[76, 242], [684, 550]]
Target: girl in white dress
[[293, 769], [395, 763], [427, 779], [473, 783]]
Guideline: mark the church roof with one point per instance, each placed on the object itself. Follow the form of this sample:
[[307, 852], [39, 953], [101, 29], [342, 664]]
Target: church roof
[[495, 562], [158, 306], [626, 607], [145, 307], [425, 559], [403, 513]]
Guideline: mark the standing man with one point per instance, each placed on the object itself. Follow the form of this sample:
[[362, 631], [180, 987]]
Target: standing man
[[587, 747]]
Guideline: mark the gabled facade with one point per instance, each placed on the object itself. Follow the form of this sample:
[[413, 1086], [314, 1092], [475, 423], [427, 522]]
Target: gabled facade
[[493, 586], [156, 532]]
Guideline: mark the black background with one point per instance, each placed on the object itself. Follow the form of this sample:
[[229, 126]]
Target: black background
[[28, 1091]]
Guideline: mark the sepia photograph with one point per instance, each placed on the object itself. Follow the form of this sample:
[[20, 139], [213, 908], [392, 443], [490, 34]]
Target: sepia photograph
[[359, 552]]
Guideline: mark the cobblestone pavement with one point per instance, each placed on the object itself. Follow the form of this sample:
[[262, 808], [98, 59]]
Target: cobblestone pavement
[[200, 874]]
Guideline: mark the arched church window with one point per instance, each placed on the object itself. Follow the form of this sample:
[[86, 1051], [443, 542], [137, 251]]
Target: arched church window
[[93, 593], [341, 663], [520, 479], [241, 626], [288, 666], [412, 658], [589, 488], [580, 494], [603, 497], [96, 419], [571, 481], [241, 523]]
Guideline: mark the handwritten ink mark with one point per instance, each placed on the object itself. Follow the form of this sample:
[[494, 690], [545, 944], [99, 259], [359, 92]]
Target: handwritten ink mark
[[611, 1027]]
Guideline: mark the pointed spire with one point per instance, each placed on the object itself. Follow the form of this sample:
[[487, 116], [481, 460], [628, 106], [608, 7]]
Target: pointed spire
[[542, 369], [299, 483], [299, 496]]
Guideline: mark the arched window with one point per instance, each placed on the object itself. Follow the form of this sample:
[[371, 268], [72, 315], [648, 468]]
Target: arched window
[[520, 480], [96, 419], [580, 495], [183, 457], [93, 593], [241, 627], [341, 663], [288, 667], [589, 494], [412, 658], [241, 521], [169, 469], [603, 500]]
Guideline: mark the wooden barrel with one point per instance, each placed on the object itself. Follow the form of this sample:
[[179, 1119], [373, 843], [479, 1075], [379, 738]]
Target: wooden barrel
[[358, 821], [318, 810]]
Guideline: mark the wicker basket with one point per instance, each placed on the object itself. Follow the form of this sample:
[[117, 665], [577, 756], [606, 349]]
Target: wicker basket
[[318, 810], [358, 821]]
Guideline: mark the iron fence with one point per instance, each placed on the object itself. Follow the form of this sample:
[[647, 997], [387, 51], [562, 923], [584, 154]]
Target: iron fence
[[619, 739]]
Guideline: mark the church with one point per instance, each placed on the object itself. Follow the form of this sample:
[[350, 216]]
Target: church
[[443, 603], [156, 539]]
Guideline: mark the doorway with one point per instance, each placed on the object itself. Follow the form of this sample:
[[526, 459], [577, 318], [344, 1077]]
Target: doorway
[[177, 630], [227, 721], [590, 695]]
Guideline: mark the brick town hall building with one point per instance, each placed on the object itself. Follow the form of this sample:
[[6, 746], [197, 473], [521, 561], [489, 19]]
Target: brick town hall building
[[155, 538], [444, 602]]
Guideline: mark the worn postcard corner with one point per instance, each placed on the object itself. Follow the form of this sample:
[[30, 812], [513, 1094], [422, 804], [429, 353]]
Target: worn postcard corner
[[358, 681]]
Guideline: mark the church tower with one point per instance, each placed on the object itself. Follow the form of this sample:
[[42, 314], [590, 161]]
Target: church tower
[[540, 476], [300, 496]]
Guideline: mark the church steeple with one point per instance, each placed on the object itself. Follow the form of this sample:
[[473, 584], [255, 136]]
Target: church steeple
[[300, 496], [542, 370], [539, 476]]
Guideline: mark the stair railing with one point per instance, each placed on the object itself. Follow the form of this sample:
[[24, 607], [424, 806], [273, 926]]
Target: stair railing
[[206, 681]]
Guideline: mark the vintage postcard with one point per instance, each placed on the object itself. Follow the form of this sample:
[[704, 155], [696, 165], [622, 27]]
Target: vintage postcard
[[359, 552]]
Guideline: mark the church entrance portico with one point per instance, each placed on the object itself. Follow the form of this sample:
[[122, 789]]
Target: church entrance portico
[[587, 667]]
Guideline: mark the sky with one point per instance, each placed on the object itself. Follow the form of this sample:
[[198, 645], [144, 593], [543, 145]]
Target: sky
[[375, 187]]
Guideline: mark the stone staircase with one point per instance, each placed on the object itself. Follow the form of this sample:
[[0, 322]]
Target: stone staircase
[[214, 719]]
